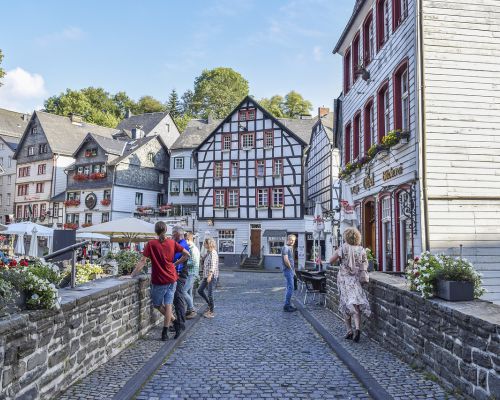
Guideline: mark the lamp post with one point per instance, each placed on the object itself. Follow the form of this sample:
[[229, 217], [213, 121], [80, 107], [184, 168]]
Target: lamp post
[[193, 218]]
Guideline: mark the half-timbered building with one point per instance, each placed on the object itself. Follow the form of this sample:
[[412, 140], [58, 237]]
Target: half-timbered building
[[251, 183], [420, 129]]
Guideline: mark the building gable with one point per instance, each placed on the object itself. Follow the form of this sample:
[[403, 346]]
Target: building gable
[[34, 136]]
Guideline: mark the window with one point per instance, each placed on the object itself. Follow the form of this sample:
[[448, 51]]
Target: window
[[160, 179], [43, 148], [369, 126], [247, 115], [31, 150], [151, 157], [278, 197], [235, 169], [73, 195], [382, 22], [383, 111], [226, 142], [80, 170], [9, 179], [35, 210], [9, 163], [19, 212], [178, 162], [22, 190], [247, 140], [226, 241], [138, 198], [399, 12], [189, 186], [277, 166], [368, 40], [39, 187], [105, 217], [268, 139], [160, 199], [347, 70], [356, 57], [34, 130], [262, 197], [107, 194], [8, 199], [24, 171], [276, 244], [55, 210], [42, 169], [260, 167], [401, 98], [86, 170], [218, 169], [233, 198], [219, 198], [347, 144], [386, 234], [1, 200], [356, 135], [193, 164], [88, 218], [73, 219], [96, 168], [26, 211], [404, 233], [175, 186]]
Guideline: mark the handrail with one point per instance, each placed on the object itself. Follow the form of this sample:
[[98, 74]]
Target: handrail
[[243, 254], [65, 250]]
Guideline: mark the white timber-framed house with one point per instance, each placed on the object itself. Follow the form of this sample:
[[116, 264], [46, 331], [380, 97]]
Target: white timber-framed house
[[251, 184], [427, 70]]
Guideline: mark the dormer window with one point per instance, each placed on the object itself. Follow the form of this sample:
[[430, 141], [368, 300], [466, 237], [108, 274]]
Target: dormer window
[[34, 130], [151, 157]]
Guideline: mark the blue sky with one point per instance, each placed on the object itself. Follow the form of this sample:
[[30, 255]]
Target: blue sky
[[151, 47]]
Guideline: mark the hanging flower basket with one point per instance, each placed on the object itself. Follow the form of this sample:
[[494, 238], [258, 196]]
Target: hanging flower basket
[[106, 202]]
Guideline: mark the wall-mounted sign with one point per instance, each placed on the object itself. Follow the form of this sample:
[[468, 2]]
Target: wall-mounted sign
[[355, 189], [91, 201], [369, 180], [392, 173]]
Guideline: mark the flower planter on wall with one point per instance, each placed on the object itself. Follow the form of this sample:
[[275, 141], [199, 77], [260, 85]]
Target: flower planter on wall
[[455, 290]]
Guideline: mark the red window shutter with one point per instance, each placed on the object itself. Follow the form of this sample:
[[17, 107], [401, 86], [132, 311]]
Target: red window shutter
[[366, 38], [347, 144], [380, 111], [396, 14], [366, 126], [355, 133], [380, 23], [347, 71], [355, 57]]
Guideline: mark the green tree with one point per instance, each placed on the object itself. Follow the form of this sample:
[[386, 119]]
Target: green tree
[[173, 104], [217, 92], [148, 104], [123, 104], [295, 105], [274, 105], [2, 72], [187, 103], [182, 120]]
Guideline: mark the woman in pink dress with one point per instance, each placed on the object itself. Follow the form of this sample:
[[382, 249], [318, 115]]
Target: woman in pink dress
[[353, 301]]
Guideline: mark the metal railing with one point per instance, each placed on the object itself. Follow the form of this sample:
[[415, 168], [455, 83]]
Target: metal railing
[[65, 250]]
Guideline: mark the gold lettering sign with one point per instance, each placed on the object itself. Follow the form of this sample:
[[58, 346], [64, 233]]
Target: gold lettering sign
[[369, 180], [392, 173], [355, 189]]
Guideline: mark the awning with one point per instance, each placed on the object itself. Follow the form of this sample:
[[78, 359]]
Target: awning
[[274, 233]]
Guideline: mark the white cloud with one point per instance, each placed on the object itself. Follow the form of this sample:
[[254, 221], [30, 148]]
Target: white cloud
[[317, 53], [22, 91], [71, 33]]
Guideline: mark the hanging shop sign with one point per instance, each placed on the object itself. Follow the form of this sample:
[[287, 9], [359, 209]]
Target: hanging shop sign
[[369, 180], [355, 189], [392, 173]]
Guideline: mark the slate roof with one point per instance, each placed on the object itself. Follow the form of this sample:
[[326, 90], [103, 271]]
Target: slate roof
[[11, 141], [147, 121], [59, 197], [196, 132], [110, 146], [327, 122], [357, 7], [13, 123], [132, 146], [65, 137], [301, 127]]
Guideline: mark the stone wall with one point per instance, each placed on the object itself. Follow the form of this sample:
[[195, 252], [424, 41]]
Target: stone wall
[[458, 342], [43, 352]]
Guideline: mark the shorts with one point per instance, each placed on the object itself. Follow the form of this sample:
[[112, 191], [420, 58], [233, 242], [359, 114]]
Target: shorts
[[163, 294]]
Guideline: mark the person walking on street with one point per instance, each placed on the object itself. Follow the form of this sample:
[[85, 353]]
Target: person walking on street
[[179, 302], [288, 269], [193, 265], [352, 300], [161, 252], [210, 276]]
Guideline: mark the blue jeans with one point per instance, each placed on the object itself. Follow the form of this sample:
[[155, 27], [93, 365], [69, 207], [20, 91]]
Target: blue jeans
[[188, 292], [288, 272], [210, 289], [163, 294]]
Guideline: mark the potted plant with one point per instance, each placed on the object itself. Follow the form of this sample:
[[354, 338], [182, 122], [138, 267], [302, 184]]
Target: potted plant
[[372, 262], [457, 280]]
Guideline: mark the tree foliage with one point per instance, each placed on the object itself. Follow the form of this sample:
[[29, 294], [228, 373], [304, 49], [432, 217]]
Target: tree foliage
[[217, 92], [174, 106], [2, 72], [293, 105], [148, 104]]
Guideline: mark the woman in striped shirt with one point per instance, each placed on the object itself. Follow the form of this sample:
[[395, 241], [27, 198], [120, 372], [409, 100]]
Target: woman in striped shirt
[[210, 276]]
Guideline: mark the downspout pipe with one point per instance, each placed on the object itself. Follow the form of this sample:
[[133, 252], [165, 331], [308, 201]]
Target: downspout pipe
[[423, 128]]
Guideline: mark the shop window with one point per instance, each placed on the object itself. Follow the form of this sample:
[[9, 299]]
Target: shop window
[[356, 138], [347, 144], [383, 111], [347, 71], [275, 244], [386, 225], [369, 138], [368, 40], [404, 234], [401, 98], [226, 241]]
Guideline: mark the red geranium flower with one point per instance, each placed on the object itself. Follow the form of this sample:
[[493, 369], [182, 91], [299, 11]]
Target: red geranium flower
[[12, 263], [23, 263], [417, 259]]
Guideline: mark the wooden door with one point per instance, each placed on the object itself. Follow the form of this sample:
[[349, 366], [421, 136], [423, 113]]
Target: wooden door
[[255, 243], [369, 226]]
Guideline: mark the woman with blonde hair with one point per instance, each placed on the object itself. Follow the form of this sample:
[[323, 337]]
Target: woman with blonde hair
[[353, 264], [210, 275]]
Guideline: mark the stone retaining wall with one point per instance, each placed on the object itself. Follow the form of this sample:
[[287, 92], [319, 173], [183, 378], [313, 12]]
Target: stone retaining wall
[[459, 342], [44, 352]]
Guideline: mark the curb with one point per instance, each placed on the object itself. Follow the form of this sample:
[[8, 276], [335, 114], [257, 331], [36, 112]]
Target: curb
[[137, 381], [259, 271], [374, 389]]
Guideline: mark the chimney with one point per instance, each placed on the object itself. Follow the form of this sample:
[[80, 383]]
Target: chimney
[[76, 119], [210, 118], [322, 111], [25, 117], [305, 116]]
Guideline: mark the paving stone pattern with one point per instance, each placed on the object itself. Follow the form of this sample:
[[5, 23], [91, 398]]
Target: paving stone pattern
[[252, 350]]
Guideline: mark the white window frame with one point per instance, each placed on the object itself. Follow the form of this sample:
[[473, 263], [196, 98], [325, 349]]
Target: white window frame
[[373, 132], [226, 140], [218, 169], [386, 218], [278, 193], [233, 197], [220, 198], [88, 218], [260, 168], [387, 112], [151, 157], [262, 198], [189, 186], [245, 144], [178, 162], [139, 198], [277, 167], [173, 187], [31, 150], [235, 169], [405, 101], [267, 135]]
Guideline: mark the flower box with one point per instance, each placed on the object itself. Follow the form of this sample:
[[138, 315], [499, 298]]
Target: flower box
[[106, 202], [174, 193], [80, 177], [455, 290], [72, 203], [70, 226], [86, 224], [98, 175]]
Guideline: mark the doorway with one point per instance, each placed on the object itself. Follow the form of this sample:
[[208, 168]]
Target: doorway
[[255, 240], [369, 226]]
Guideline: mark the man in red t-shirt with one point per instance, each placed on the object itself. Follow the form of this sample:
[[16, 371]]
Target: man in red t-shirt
[[161, 252]]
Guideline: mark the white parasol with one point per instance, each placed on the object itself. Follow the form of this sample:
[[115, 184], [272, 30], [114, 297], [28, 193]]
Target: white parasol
[[19, 249], [129, 228], [96, 237], [33, 250], [26, 228]]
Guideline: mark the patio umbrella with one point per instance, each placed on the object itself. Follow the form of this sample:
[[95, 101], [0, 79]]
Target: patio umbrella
[[348, 218], [26, 228], [129, 228], [19, 249], [33, 250], [97, 237]]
